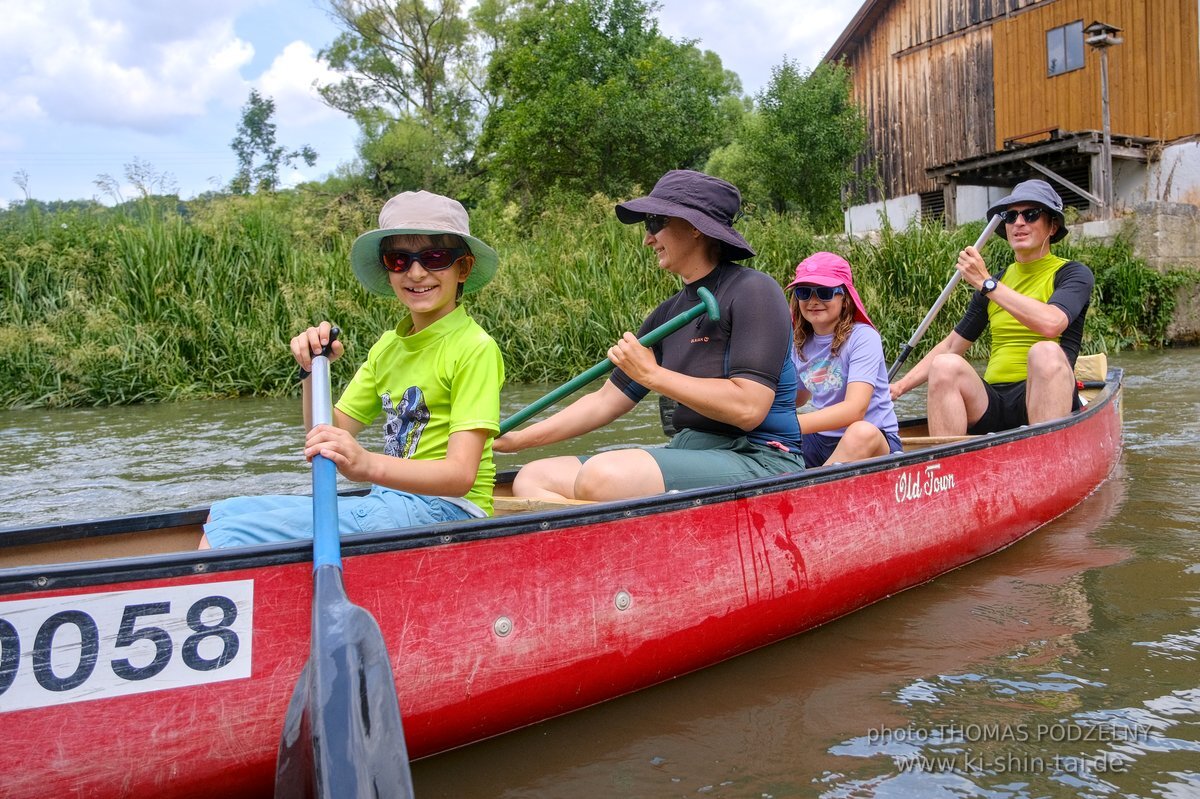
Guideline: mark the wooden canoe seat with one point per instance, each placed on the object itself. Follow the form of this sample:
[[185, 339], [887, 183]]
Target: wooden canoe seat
[[504, 506], [921, 442]]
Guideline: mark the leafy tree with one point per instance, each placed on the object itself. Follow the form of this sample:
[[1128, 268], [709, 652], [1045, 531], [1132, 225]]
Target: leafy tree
[[256, 139], [397, 58], [409, 154], [490, 21], [408, 66], [590, 97], [796, 150]]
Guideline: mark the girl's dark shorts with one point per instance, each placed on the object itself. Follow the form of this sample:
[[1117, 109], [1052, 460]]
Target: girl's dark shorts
[[818, 447]]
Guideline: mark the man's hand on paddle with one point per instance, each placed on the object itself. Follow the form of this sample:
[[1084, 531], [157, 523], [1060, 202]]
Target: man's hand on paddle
[[971, 266]]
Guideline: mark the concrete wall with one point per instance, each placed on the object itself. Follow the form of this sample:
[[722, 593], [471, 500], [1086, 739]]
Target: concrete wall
[[898, 212], [974, 201], [1173, 178], [1164, 236]]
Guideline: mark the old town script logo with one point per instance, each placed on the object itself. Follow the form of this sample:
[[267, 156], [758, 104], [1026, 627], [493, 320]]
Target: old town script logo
[[925, 482]]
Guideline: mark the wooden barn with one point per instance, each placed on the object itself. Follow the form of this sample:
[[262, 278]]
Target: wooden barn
[[965, 98]]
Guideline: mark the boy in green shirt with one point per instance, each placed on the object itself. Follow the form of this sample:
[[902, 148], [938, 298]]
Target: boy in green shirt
[[436, 376]]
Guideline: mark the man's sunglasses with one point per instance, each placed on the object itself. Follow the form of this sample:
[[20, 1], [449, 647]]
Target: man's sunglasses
[[655, 223], [435, 259], [1030, 215], [824, 293]]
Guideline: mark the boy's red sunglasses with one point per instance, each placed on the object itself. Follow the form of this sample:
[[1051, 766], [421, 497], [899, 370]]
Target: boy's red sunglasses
[[435, 259]]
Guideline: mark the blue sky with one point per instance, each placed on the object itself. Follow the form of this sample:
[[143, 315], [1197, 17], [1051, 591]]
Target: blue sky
[[89, 86]]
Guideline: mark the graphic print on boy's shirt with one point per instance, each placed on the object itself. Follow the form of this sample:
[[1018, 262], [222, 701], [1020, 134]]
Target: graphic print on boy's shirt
[[405, 423]]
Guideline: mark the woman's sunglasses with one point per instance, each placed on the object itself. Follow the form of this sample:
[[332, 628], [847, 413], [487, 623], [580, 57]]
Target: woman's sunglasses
[[435, 259], [655, 223], [824, 293], [1030, 215]]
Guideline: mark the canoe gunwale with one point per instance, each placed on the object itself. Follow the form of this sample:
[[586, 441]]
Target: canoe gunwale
[[51, 577]]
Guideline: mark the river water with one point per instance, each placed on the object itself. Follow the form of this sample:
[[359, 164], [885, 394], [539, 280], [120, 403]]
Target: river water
[[1065, 666]]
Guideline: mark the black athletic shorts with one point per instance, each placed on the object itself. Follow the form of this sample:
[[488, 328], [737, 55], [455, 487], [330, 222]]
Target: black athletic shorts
[[1006, 408]]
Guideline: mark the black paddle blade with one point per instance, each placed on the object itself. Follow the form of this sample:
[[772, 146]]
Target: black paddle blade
[[342, 736]]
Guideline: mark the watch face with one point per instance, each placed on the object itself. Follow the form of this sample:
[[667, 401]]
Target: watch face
[[989, 285]]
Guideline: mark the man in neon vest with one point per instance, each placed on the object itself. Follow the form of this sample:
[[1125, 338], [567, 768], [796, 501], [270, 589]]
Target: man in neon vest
[[1035, 308]]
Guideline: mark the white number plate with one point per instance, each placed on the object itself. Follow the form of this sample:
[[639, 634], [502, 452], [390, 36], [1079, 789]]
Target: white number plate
[[94, 646]]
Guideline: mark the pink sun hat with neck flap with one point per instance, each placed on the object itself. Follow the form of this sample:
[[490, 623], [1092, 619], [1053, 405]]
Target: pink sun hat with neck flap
[[828, 269]]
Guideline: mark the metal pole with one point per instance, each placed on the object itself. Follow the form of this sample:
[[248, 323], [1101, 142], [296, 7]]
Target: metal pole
[[1106, 147]]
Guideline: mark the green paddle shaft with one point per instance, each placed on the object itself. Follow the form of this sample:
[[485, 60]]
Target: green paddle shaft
[[707, 305]]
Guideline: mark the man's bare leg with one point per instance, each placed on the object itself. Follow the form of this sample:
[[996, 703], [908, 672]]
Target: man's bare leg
[[957, 397], [1051, 384]]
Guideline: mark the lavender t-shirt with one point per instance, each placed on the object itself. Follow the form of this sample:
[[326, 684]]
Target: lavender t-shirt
[[860, 360]]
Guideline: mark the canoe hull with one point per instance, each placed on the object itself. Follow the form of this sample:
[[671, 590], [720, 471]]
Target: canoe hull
[[498, 624]]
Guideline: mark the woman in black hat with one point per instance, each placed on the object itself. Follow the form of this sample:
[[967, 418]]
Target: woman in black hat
[[732, 379], [1035, 307]]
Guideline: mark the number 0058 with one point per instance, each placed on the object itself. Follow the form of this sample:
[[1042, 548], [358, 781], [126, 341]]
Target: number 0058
[[91, 646]]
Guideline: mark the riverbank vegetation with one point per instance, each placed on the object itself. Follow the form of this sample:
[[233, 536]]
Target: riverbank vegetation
[[538, 116], [157, 300]]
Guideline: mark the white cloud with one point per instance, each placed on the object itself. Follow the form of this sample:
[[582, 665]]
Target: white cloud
[[758, 34], [146, 67], [291, 82], [19, 106]]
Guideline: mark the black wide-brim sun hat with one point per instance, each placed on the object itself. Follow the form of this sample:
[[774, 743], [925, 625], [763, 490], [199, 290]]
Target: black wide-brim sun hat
[[1040, 193], [710, 204]]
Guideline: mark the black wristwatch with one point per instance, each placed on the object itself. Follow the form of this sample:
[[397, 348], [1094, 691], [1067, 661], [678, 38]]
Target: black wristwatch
[[988, 286]]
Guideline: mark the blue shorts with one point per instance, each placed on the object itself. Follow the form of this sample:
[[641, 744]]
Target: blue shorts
[[817, 447], [243, 521]]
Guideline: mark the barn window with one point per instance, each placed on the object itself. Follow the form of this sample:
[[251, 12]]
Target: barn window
[[1064, 48]]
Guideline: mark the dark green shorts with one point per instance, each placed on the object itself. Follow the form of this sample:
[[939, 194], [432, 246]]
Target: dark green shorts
[[694, 459]]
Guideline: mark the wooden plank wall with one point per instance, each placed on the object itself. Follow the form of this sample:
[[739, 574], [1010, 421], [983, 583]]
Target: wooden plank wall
[[923, 75], [1153, 77], [944, 80]]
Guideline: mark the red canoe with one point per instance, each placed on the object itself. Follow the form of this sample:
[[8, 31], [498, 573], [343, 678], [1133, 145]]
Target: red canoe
[[131, 665]]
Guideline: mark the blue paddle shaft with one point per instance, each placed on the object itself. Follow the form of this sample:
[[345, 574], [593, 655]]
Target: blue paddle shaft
[[707, 305], [326, 546]]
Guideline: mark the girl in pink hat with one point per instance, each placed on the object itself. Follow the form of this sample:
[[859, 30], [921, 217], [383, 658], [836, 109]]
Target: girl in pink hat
[[839, 360]]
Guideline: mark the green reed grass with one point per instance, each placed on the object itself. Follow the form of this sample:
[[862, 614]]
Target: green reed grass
[[157, 301]]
